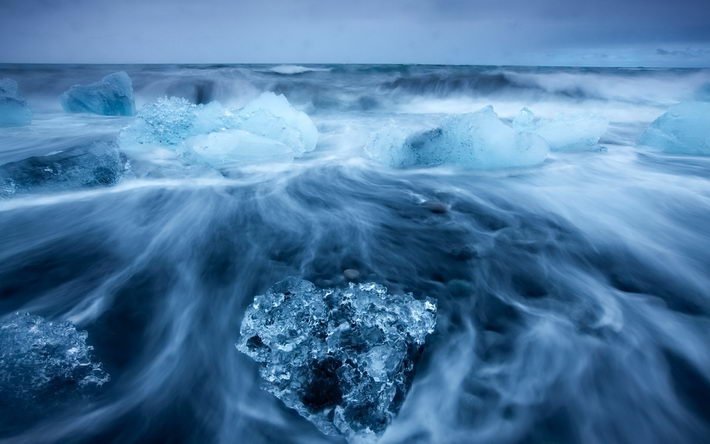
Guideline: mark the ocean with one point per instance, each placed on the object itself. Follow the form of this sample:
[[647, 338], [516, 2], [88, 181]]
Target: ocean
[[571, 276]]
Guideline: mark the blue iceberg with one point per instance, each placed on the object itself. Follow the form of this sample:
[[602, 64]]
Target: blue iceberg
[[683, 129], [479, 140], [266, 129], [343, 358], [565, 132], [13, 107], [99, 164], [169, 121], [273, 117], [112, 96], [45, 361]]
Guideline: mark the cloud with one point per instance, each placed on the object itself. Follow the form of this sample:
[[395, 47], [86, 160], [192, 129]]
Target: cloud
[[395, 31]]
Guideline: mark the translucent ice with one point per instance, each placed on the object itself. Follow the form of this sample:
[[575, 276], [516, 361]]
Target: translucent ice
[[13, 107], [99, 164], [343, 358], [268, 128], [566, 132], [169, 121], [111, 96], [271, 116], [41, 360], [224, 147], [477, 140], [683, 129]]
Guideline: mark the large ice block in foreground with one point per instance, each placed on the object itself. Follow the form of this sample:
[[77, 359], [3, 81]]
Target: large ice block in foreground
[[43, 361], [565, 132], [111, 96], [13, 107], [96, 165], [343, 358], [266, 129], [683, 129], [477, 140]]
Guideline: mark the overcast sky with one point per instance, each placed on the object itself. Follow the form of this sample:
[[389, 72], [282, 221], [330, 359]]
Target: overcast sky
[[542, 32]]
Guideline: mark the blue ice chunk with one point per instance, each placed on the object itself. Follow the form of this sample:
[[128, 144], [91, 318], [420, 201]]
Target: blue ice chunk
[[343, 358], [565, 132], [96, 165], [683, 129], [112, 96], [222, 148], [272, 116], [479, 140], [42, 360], [170, 120], [266, 129], [13, 107]]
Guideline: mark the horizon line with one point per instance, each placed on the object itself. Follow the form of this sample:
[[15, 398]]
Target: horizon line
[[505, 65]]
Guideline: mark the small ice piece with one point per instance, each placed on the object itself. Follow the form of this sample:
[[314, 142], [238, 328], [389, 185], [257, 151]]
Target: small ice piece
[[477, 140], [683, 129], [112, 96], [44, 361], [271, 116], [343, 358], [296, 69], [13, 107], [564, 132], [96, 165]]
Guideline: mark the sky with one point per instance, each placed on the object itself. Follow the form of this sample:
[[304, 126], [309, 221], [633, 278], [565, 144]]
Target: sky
[[489, 32]]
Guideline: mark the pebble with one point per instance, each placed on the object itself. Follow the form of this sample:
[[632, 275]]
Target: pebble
[[436, 207], [351, 274]]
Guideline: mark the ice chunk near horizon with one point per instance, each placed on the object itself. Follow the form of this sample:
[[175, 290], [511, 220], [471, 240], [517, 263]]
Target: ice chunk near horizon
[[268, 128], [565, 132], [44, 361], [479, 140], [99, 164], [343, 358], [683, 129], [13, 107], [296, 69], [111, 96]]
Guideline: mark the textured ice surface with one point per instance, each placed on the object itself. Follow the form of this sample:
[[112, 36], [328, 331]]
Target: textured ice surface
[[566, 132], [42, 360], [271, 116], [99, 164], [343, 358], [683, 129], [111, 96], [224, 147], [13, 107], [477, 140], [169, 121], [268, 128]]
